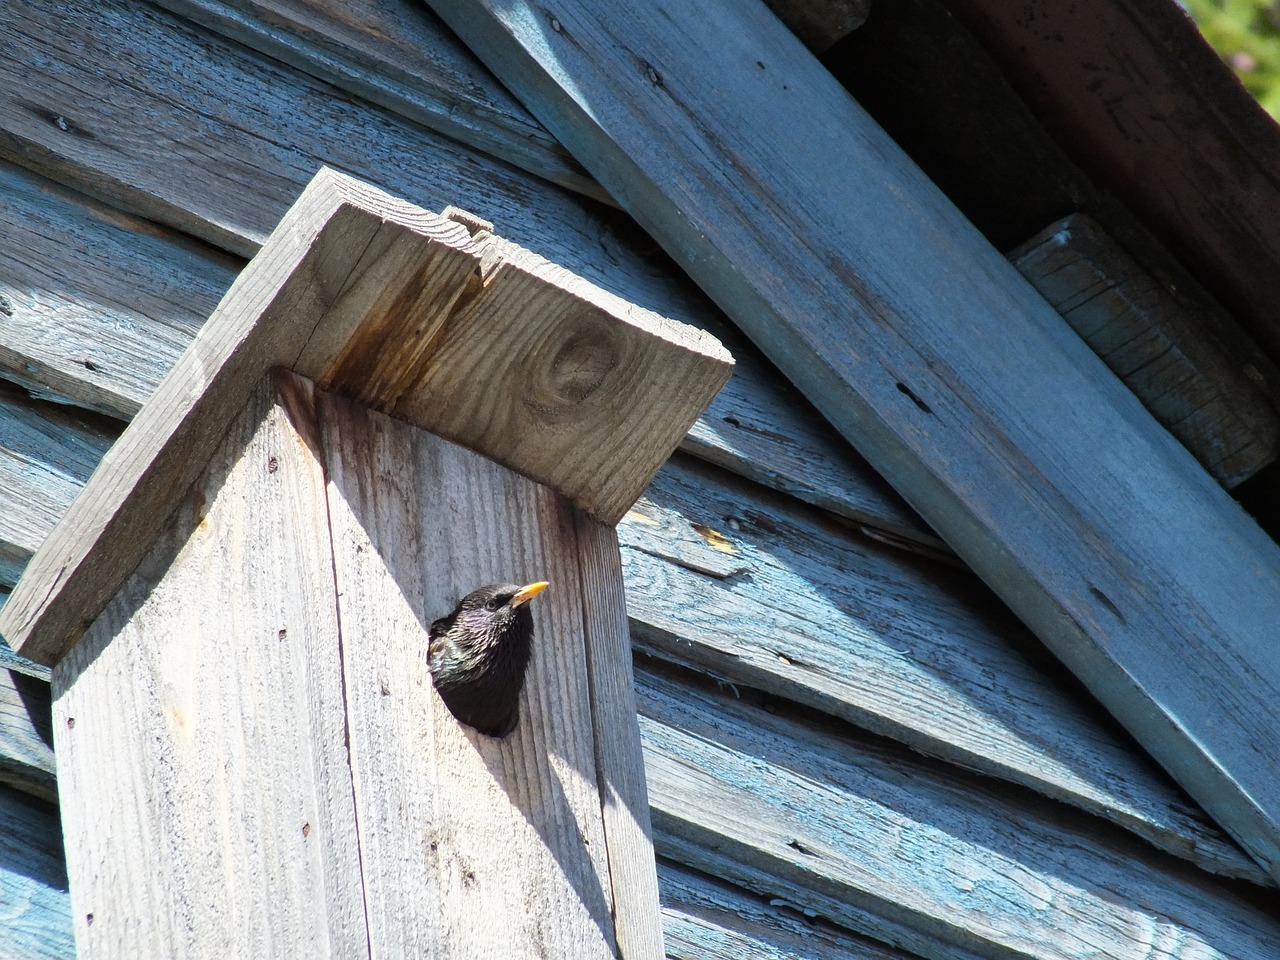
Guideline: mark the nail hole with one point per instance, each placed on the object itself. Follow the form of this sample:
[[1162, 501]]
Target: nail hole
[[906, 391]]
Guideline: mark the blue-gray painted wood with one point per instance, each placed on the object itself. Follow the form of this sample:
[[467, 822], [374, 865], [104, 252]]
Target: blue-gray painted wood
[[95, 171], [13, 662], [275, 127], [919, 342], [35, 908], [46, 455], [781, 599], [880, 841], [705, 919], [26, 738], [1173, 348], [95, 305], [398, 55], [909, 649]]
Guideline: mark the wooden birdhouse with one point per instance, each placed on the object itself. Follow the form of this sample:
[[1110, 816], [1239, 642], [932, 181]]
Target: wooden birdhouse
[[388, 409]]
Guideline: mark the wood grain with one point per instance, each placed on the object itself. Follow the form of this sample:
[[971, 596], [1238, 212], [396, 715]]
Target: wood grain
[[1170, 359], [997, 707], [1153, 114], [582, 391], [33, 881], [912, 650], [757, 425], [46, 455], [1025, 728], [380, 299], [450, 818], [891, 846], [325, 265], [706, 919], [397, 54], [95, 305], [146, 152], [206, 798], [624, 796], [764, 430], [901, 324], [26, 735]]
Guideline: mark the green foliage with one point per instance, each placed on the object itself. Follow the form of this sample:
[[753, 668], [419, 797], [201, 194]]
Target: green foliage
[[1246, 33]]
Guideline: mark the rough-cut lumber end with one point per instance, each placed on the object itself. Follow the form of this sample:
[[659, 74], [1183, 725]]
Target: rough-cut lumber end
[[1218, 396], [430, 319]]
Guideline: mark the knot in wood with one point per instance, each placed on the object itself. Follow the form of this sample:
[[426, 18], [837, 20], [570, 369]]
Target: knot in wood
[[565, 376]]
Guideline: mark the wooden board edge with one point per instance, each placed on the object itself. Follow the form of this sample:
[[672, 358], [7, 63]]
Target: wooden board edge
[[619, 757], [329, 56]]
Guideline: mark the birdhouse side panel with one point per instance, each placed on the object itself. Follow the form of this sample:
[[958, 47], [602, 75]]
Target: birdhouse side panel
[[205, 794]]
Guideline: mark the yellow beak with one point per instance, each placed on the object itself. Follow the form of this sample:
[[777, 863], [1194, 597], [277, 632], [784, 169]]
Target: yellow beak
[[528, 592]]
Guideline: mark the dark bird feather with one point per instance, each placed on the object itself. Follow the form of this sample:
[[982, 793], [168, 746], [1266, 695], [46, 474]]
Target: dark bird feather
[[479, 653]]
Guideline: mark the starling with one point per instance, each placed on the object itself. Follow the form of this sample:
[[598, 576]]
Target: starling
[[478, 655]]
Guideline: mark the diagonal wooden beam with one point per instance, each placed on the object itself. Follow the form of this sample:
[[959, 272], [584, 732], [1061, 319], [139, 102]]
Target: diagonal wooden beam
[[920, 343]]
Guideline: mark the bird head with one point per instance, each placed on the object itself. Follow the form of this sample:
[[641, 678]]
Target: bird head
[[493, 609]]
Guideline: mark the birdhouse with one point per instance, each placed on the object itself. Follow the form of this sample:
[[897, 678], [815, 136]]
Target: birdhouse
[[388, 410]]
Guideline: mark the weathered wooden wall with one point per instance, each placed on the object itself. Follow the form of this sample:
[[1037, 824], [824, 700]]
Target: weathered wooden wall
[[768, 557], [905, 328]]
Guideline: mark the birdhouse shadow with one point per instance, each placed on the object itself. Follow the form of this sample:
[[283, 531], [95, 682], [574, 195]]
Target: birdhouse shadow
[[546, 807]]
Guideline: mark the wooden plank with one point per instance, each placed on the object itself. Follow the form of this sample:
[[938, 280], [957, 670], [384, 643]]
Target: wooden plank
[[901, 325], [624, 796], [206, 799], [213, 87], [1024, 726], [33, 881], [1164, 355], [706, 919], [398, 55], [590, 397], [890, 845], [26, 737], [46, 455], [450, 818], [761, 428], [275, 127], [97, 305], [1056, 747], [779, 600], [1131, 87], [757, 425], [996, 162]]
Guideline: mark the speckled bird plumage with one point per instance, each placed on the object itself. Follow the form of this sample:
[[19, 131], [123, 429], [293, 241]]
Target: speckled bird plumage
[[479, 653]]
